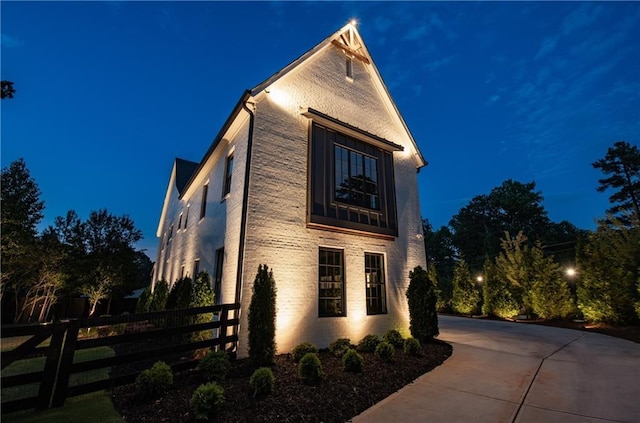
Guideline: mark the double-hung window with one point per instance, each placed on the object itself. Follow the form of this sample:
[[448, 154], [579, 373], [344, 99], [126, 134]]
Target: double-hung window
[[331, 283], [203, 204]]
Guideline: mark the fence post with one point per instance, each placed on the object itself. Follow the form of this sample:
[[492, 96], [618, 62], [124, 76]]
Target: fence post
[[60, 393], [222, 334], [51, 366]]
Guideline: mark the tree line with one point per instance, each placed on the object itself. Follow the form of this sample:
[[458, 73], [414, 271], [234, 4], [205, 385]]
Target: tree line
[[95, 257], [501, 254]]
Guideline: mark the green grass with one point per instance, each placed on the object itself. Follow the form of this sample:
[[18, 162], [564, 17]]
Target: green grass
[[37, 364], [81, 409]]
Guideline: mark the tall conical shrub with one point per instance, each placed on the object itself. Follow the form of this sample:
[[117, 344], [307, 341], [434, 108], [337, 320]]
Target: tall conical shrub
[[422, 299], [262, 318]]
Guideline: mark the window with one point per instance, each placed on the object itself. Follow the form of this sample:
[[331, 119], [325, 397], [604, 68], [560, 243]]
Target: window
[[203, 205], [170, 235], [331, 283], [349, 67], [196, 268], [182, 272], [227, 176], [351, 182], [374, 283], [217, 279], [356, 178], [186, 217], [180, 222]]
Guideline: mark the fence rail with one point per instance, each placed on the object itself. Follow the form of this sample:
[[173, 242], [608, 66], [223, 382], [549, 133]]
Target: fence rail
[[134, 341]]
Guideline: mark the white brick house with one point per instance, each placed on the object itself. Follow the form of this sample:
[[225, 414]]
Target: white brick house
[[314, 173]]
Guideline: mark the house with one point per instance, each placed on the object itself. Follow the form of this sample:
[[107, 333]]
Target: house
[[314, 173]]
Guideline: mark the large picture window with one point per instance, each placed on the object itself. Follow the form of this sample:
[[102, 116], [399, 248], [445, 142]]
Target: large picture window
[[374, 282], [351, 182], [331, 283]]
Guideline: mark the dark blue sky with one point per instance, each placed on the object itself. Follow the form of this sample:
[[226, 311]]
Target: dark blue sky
[[109, 93]]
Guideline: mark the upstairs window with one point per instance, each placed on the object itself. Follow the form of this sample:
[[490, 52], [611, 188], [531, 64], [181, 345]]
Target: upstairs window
[[349, 67], [186, 217], [180, 222], [227, 176], [203, 205], [351, 182]]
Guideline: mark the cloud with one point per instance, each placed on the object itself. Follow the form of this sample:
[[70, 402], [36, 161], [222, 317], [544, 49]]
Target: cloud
[[7, 41], [548, 45], [581, 17], [416, 32], [493, 99], [437, 64]]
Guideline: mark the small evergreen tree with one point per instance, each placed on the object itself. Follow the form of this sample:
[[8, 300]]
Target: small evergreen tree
[[422, 298], [262, 318], [172, 298], [465, 294], [202, 295], [144, 301], [183, 293], [159, 296], [498, 298], [550, 294], [610, 272]]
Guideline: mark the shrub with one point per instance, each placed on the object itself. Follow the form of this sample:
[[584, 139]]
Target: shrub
[[154, 382], [385, 351], [214, 366], [368, 343], [262, 381], [206, 400], [422, 299], [201, 295], [412, 346], [180, 295], [159, 296], [142, 306], [340, 346], [393, 337], [465, 293], [310, 369], [352, 361], [300, 350], [262, 318]]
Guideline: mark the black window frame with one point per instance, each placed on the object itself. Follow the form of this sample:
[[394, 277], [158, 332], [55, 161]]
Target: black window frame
[[203, 204], [228, 174], [196, 268], [186, 216], [217, 277], [326, 271], [375, 284], [323, 210]]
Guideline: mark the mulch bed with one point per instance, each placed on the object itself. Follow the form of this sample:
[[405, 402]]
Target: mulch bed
[[338, 398]]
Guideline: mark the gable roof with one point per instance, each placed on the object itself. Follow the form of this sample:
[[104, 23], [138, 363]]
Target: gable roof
[[184, 170], [349, 40]]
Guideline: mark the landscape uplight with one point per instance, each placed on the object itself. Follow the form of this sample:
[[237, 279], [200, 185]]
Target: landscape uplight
[[479, 278], [571, 271]]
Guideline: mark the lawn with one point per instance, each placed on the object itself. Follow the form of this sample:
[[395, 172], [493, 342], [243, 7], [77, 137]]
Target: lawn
[[81, 409]]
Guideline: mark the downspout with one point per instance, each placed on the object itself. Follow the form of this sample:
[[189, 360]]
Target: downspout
[[243, 222]]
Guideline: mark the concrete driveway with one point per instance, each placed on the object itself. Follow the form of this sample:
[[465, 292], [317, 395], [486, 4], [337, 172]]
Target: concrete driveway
[[517, 372]]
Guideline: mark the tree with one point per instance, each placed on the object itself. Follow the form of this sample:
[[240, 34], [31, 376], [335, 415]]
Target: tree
[[422, 298], [609, 266], [550, 294], [20, 211], [262, 318], [102, 260], [498, 299], [7, 89], [159, 296], [513, 265], [622, 165], [465, 293], [441, 259], [513, 206]]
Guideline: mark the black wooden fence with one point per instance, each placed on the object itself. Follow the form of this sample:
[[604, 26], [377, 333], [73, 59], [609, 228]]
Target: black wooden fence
[[137, 341]]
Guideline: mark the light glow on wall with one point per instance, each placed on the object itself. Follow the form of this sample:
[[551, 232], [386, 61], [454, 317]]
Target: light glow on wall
[[281, 98]]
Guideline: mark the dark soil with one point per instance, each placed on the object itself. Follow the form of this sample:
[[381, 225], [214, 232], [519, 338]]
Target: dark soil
[[338, 398]]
